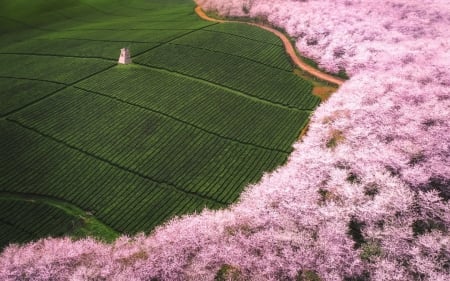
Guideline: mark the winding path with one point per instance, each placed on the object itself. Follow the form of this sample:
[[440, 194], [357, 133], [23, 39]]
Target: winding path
[[287, 45]]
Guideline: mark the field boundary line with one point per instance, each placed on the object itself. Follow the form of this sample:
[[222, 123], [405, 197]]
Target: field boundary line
[[95, 40], [52, 200], [127, 29], [55, 55], [148, 49], [66, 85], [34, 79], [136, 173], [237, 56], [240, 36], [107, 13], [184, 122], [176, 37], [33, 102], [223, 87], [290, 50]]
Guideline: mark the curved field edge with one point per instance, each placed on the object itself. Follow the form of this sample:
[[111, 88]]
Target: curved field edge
[[23, 120], [308, 67], [324, 83], [88, 225]]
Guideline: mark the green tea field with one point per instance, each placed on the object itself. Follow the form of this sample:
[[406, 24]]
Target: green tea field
[[203, 110]]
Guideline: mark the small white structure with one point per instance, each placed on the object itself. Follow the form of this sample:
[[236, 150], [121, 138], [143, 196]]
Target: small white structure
[[125, 57]]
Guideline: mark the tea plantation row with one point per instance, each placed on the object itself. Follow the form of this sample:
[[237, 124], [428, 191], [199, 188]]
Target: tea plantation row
[[204, 110]]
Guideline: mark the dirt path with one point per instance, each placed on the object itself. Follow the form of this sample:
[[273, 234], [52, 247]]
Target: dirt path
[[287, 45]]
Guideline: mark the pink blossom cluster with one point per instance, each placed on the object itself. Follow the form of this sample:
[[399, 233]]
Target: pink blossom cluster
[[364, 196]]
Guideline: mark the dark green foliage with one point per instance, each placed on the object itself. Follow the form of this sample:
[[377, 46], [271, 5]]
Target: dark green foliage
[[424, 226], [332, 143], [420, 227], [364, 276], [371, 190], [335, 138], [16, 93], [212, 109], [355, 231], [380, 224], [124, 200], [243, 30], [139, 36], [353, 178], [416, 159], [343, 74], [245, 9], [256, 80], [150, 143], [20, 14], [228, 272], [51, 68], [23, 221], [75, 47], [323, 194], [429, 122], [308, 275], [310, 62], [393, 171], [262, 52], [327, 196], [440, 184], [370, 250]]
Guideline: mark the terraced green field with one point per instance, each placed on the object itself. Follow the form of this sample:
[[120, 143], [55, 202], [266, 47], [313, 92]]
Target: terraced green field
[[22, 221], [204, 110]]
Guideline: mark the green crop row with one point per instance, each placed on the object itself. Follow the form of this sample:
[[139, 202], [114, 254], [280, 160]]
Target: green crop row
[[251, 78], [214, 109], [265, 53], [146, 142], [246, 31], [51, 68], [22, 221], [16, 93], [205, 110], [10, 234], [34, 164], [76, 47], [140, 35]]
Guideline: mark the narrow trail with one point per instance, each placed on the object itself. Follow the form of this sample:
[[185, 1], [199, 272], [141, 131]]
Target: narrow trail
[[287, 45]]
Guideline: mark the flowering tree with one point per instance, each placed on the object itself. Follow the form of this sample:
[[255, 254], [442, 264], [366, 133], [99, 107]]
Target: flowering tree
[[364, 196]]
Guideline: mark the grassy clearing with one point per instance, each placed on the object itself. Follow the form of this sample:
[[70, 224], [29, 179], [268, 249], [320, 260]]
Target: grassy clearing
[[205, 110]]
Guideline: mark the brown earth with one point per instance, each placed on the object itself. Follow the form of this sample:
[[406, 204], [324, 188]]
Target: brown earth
[[323, 92]]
